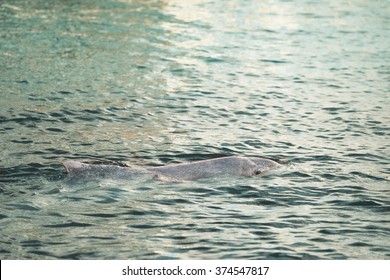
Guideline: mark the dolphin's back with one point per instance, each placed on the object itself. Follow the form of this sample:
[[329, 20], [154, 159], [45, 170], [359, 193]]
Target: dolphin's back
[[233, 165], [79, 169]]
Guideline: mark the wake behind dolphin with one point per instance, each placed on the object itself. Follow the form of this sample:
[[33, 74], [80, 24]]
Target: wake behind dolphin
[[231, 165]]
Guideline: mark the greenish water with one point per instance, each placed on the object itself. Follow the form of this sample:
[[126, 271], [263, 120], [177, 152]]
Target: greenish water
[[159, 82]]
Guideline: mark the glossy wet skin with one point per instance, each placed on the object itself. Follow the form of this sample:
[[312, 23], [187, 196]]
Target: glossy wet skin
[[233, 165]]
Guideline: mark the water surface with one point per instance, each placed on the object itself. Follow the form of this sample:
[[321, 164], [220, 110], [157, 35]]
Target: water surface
[[161, 82]]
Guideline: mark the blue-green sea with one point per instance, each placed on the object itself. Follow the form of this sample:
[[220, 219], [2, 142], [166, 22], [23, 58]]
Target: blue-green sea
[[160, 82]]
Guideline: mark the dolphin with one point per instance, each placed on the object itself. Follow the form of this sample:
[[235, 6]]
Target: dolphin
[[191, 171]]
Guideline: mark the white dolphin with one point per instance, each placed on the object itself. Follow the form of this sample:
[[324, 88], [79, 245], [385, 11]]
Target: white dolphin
[[231, 165]]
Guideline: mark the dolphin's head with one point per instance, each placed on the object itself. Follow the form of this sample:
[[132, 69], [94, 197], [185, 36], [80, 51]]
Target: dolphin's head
[[263, 164], [74, 166]]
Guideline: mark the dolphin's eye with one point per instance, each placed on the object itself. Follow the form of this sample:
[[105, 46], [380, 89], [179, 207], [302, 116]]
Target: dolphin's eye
[[258, 172]]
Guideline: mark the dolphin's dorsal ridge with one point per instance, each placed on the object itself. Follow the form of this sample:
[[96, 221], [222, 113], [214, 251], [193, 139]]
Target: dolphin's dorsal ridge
[[191, 171]]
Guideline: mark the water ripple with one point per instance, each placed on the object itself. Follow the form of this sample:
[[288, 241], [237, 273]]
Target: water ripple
[[226, 79]]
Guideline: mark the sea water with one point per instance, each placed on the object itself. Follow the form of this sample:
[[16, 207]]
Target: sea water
[[151, 83]]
